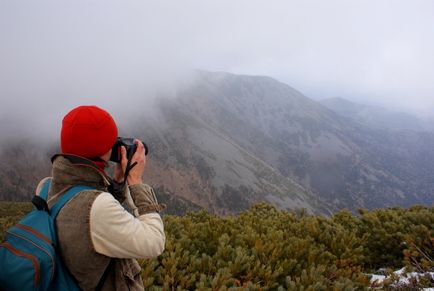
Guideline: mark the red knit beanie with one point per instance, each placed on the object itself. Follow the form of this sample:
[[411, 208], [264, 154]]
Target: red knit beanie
[[88, 131]]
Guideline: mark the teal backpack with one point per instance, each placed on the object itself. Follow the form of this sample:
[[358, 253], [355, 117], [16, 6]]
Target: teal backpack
[[28, 257]]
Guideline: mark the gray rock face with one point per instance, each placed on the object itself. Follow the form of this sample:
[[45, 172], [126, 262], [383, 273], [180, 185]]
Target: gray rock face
[[342, 162]]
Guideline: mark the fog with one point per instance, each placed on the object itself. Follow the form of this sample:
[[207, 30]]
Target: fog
[[55, 55]]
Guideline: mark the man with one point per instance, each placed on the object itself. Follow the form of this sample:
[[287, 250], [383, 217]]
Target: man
[[98, 239]]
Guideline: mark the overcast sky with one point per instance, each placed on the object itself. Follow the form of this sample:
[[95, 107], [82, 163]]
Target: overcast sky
[[58, 54]]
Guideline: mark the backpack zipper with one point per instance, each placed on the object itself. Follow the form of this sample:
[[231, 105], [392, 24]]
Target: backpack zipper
[[39, 247], [33, 259], [35, 233]]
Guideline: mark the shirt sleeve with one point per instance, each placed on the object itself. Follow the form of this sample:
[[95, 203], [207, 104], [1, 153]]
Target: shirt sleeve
[[118, 234]]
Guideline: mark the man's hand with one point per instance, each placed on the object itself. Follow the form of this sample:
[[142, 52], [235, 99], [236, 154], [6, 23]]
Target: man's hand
[[136, 173]]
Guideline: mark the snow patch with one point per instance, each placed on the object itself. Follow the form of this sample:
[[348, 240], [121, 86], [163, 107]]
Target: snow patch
[[402, 276]]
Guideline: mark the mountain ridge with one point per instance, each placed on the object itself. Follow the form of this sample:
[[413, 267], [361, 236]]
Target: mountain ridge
[[374, 117], [225, 141]]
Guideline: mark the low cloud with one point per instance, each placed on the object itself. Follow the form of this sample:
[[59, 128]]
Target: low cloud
[[56, 55]]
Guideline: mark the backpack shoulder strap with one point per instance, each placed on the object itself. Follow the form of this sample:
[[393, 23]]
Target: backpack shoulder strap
[[40, 201], [68, 195]]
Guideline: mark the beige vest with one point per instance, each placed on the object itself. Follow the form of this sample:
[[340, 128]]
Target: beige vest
[[73, 229]]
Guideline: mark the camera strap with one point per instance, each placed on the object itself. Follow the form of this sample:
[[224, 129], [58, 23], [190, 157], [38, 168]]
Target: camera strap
[[117, 189]]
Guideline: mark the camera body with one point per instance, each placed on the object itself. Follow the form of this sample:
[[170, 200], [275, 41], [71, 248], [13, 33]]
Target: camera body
[[129, 145]]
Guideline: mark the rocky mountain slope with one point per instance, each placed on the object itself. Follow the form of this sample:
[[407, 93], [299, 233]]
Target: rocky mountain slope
[[343, 162], [197, 161], [225, 141]]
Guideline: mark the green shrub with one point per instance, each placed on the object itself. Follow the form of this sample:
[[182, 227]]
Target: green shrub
[[264, 248]]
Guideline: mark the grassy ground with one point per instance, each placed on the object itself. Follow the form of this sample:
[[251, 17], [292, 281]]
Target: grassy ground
[[10, 213]]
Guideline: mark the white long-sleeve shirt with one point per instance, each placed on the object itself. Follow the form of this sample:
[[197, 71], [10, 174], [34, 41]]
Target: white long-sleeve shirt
[[117, 233]]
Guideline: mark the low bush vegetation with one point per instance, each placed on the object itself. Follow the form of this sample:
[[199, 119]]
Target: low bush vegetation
[[265, 248]]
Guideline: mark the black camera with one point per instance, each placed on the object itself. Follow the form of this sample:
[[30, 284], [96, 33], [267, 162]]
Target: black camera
[[129, 145]]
